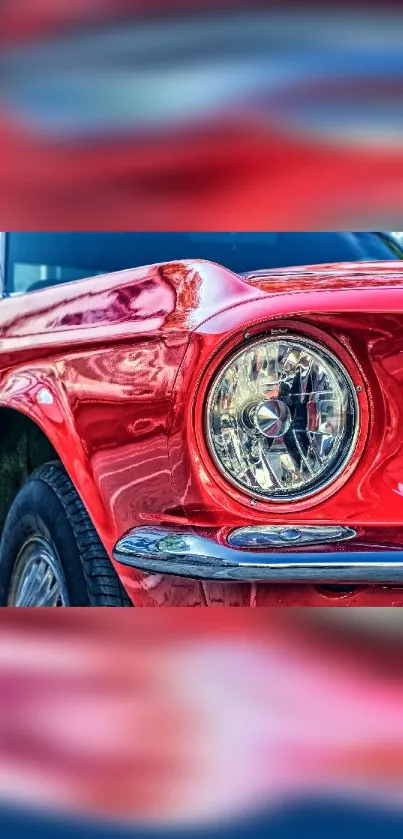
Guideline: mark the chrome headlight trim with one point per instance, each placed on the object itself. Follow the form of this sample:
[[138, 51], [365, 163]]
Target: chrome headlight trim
[[346, 447]]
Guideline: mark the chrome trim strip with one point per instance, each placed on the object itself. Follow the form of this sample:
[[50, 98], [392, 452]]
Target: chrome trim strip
[[287, 536], [161, 550]]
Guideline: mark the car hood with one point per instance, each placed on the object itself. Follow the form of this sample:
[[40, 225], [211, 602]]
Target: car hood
[[326, 275]]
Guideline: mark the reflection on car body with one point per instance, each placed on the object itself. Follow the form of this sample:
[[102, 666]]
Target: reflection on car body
[[158, 411]]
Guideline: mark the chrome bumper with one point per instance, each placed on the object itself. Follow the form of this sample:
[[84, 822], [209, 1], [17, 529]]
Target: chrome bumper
[[163, 550]]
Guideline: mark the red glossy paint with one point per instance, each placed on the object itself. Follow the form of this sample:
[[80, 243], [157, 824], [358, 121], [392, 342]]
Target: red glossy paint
[[128, 358]]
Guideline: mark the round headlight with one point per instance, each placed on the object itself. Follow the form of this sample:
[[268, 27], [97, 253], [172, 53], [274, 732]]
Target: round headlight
[[282, 418]]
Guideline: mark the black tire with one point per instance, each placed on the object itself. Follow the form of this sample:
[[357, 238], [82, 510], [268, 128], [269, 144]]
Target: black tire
[[48, 508]]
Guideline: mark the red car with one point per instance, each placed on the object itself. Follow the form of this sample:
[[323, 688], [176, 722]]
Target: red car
[[190, 434]]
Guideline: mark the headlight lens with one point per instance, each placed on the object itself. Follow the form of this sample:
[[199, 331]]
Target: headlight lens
[[282, 418]]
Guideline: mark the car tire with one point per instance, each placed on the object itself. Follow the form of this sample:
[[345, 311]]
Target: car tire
[[50, 552]]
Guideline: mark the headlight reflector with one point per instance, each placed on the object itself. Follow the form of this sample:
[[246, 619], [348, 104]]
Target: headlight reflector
[[282, 418]]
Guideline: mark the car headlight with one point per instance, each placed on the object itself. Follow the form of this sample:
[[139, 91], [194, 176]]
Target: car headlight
[[282, 418]]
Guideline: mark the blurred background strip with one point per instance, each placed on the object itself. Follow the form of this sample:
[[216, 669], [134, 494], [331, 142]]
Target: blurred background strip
[[246, 116], [133, 722]]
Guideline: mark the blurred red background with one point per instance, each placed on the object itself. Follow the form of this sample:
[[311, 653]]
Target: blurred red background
[[150, 116], [193, 719]]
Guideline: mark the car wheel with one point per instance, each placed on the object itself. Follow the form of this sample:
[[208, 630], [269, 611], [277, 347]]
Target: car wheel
[[50, 552]]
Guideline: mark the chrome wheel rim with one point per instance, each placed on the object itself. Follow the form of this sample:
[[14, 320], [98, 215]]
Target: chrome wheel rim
[[38, 579]]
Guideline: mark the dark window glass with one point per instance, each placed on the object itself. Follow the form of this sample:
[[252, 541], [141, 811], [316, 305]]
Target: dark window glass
[[37, 260]]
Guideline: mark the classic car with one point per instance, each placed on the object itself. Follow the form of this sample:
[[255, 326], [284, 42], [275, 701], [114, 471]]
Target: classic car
[[211, 428]]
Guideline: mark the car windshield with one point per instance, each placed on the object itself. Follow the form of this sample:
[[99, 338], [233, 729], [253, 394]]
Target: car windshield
[[36, 260]]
